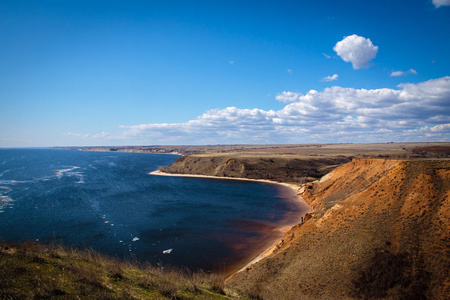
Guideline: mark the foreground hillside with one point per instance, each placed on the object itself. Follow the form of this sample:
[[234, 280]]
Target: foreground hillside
[[379, 228], [32, 271]]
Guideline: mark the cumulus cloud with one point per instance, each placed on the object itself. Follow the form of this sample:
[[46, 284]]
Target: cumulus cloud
[[287, 97], [330, 78], [401, 73], [439, 3], [357, 50], [412, 112]]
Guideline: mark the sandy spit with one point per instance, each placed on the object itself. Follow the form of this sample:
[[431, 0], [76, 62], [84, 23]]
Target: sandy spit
[[159, 173]]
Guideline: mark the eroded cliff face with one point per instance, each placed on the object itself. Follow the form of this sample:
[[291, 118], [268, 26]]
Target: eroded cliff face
[[378, 228], [276, 168]]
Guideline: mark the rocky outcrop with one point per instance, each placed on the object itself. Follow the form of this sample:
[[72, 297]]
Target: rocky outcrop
[[379, 228]]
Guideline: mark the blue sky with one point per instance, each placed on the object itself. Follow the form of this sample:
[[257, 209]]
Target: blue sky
[[222, 72]]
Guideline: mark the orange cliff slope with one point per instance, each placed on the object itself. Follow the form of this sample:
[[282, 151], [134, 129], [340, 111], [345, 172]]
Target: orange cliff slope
[[378, 228]]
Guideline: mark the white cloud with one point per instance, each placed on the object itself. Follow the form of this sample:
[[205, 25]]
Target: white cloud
[[357, 50], [413, 112], [287, 97], [231, 62], [401, 73], [441, 128], [397, 73], [330, 78], [101, 135], [326, 55], [289, 71], [439, 3]]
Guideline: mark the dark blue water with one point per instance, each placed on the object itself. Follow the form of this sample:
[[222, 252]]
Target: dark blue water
[[107, 201]]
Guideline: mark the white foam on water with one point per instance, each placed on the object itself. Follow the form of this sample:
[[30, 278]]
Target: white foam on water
[[4, 172], [5, 189], [135, 239], [5, 201], [70, 172], [59, 173], [11, 181]]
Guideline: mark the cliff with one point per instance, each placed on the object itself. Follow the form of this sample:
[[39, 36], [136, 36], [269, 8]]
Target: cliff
[[277, 168], [379, 228]]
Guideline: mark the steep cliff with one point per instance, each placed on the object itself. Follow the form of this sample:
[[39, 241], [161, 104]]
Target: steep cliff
[[254, 167], [379, 228]]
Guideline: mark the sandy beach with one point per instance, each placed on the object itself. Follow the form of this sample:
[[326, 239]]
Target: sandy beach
[[281, 231], [292, 186]]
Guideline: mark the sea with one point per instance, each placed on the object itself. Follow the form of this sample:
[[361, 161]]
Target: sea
[[108, 202]]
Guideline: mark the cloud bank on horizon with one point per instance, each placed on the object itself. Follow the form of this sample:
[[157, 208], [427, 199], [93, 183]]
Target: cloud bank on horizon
[[413, 112]]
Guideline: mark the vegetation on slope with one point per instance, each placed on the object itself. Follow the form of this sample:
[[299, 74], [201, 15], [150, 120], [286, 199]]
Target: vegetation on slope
[[32, 271], [379, 228], [278, 168]]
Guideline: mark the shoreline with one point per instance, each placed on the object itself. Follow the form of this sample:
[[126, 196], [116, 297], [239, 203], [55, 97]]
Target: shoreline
[[282, 229], [292, 186]]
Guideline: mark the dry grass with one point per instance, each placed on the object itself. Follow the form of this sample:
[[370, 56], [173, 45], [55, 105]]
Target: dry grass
[[29, 270], [363, 209], [303, 151], [387, 270]]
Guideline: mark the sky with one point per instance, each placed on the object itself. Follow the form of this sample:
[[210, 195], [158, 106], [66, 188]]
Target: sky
[[98, 73]]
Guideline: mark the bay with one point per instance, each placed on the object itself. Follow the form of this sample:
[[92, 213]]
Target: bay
[[107, 201]]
